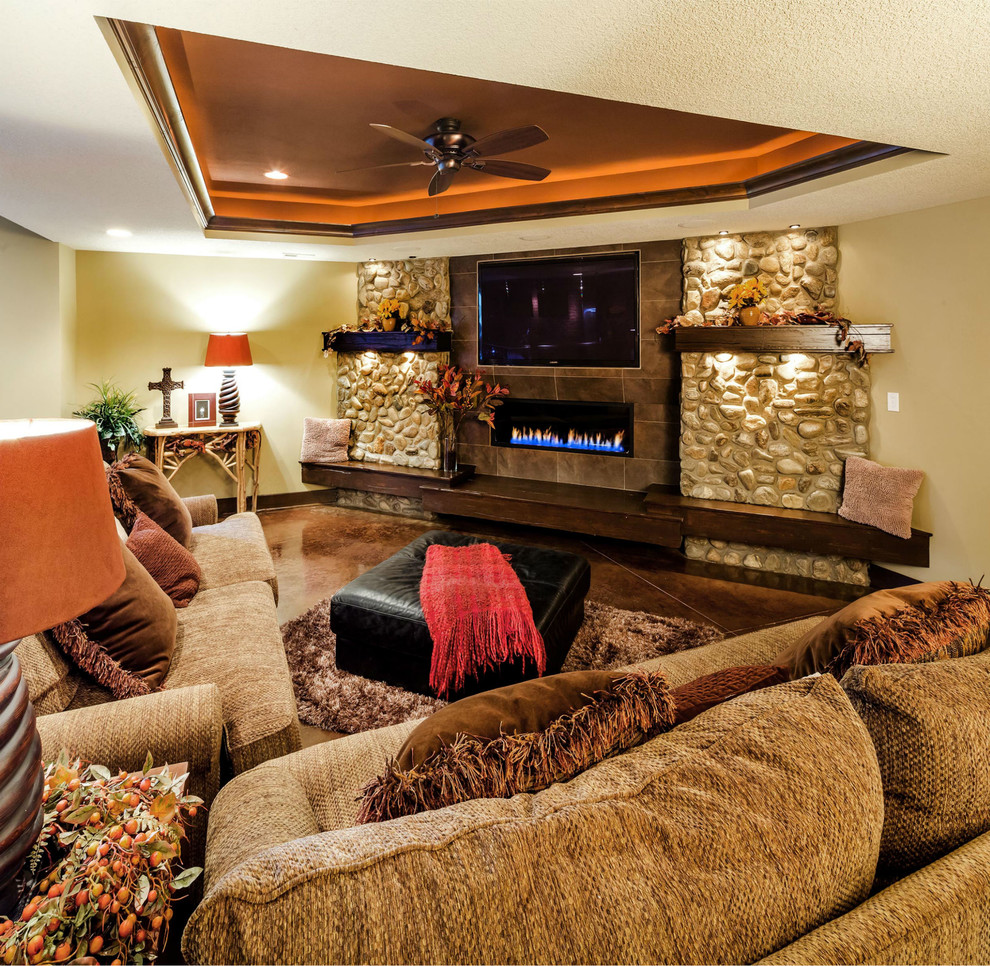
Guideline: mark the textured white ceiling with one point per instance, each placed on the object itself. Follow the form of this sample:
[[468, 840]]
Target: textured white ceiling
[[78, 156]]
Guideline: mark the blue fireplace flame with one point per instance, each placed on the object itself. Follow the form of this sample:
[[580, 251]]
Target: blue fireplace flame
[[584, 442]]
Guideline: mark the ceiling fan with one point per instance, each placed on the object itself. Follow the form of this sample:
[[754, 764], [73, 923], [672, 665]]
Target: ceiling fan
[[450, 150]]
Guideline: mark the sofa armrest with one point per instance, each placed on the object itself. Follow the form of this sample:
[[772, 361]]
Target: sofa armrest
[[203, 509], [184, 725], [939, 914]]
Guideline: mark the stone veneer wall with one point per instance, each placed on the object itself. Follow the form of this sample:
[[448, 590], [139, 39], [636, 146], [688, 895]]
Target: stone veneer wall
[[390, 424], [800, 268], [375, 390], [422, 283], [772, 429]]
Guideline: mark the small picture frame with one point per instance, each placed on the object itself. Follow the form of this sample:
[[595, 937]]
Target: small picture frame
[[202, 408]]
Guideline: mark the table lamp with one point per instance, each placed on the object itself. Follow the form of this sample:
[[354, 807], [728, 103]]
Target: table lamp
[[59, 557], [226, 351]]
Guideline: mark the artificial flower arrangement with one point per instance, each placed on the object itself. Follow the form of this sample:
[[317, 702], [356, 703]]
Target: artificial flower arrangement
[[105, 868], [457, 393], [391, 313], [748, 294], [843, 326]]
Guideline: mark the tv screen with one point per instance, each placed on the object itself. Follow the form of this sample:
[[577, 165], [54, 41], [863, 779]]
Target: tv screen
[[581, 310]]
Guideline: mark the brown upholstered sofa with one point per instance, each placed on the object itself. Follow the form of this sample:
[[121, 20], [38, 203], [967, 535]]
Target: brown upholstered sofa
[[228, 681], [752, 833]]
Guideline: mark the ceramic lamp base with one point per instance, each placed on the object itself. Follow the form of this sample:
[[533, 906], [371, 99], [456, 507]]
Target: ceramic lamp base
[[230, 399], [22, 778]]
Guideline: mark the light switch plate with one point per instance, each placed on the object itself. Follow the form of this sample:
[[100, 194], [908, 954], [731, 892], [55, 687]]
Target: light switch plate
[[893, 402]]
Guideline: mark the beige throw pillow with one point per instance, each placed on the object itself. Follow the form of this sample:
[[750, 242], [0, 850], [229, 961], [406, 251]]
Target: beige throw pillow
[[325, 440], [880, 496]]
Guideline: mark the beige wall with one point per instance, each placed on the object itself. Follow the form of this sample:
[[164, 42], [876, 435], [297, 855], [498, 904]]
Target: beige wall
[[31, 349], [137, 313], [925, 272]]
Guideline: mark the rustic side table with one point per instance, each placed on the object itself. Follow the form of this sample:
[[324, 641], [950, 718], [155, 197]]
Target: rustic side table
[[237, 450]]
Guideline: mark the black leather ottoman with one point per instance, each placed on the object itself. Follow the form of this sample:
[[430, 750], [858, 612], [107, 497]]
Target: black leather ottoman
[[382, 634]]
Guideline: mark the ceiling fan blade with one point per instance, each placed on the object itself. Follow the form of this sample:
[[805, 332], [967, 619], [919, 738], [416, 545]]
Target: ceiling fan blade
[[513, 140], [510, 169], [442, 180], [410, 139], [375, 167]]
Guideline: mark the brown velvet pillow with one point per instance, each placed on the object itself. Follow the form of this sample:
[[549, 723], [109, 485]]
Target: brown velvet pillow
[[880, 496], [930, 725], [137, 484], [921, 622], [714, 689], [173, 567], [519, 739], [126, 642]]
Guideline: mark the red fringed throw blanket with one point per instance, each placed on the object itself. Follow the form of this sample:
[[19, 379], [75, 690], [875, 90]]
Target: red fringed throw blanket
[[478, 614]]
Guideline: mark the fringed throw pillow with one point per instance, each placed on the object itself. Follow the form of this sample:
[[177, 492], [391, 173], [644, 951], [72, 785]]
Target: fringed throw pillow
[[125, 643], [137, 484], [920, 622], [173, 567], [517, 739]]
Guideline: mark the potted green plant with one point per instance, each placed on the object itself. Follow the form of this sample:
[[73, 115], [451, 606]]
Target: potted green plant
[[113, 410]]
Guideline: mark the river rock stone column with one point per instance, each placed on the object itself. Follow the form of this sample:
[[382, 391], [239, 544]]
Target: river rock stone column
[[390, 424], [772, 429], [799, 267], [421, 283]]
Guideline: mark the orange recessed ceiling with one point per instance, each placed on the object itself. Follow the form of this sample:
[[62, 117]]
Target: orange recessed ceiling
[[229, 111]]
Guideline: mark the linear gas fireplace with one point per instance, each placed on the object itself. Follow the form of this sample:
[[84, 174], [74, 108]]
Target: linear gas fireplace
[[572, 427]]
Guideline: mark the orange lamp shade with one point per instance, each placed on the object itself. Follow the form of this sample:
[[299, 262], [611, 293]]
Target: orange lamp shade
[[228, 350], [59, 549]]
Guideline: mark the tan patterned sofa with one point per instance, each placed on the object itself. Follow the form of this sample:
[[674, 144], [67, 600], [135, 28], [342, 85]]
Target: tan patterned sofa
[[751, 833], [229, 676]]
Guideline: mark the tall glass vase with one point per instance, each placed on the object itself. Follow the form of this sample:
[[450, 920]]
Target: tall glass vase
[[447, 442]]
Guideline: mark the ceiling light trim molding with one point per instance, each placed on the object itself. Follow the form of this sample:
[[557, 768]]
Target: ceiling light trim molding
[[843, 159], [136, 48]]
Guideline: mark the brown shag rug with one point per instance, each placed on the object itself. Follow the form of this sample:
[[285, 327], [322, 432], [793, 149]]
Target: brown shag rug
[[336, 700]]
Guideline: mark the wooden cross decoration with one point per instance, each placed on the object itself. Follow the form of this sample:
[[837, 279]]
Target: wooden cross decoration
[[165, 386]]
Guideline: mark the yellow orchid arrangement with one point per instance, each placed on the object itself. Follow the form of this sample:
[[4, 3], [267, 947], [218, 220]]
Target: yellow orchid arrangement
[[751, 292], [389, 307]]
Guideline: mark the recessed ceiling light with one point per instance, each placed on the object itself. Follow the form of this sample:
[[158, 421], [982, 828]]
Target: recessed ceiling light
[[276, 175], [723, 232], [792, 227], [119, 232]]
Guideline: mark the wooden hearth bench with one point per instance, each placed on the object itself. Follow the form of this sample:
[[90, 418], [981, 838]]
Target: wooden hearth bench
[[381, 477], [661, 516], [801, 530]]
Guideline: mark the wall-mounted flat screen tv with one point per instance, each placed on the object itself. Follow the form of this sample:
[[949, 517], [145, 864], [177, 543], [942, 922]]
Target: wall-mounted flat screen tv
[[581, 310]]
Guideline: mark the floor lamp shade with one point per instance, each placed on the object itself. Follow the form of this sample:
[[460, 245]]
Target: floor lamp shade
[[59, 557]]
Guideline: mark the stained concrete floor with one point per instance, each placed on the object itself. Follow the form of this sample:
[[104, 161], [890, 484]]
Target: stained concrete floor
[[319, 549]]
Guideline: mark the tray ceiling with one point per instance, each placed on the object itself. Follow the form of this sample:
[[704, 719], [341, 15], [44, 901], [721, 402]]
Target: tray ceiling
[[229, 110]]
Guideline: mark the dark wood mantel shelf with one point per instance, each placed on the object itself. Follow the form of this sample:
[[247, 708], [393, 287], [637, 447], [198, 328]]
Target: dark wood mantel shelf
[[778, 338], [384, 342]]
